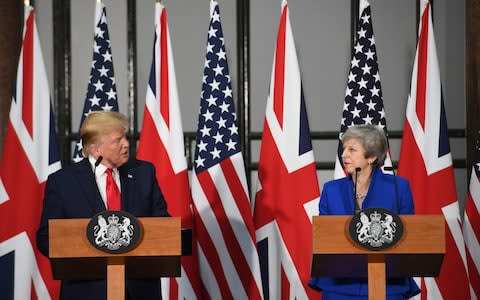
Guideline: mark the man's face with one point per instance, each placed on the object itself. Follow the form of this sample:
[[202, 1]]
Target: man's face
[[113, 147]]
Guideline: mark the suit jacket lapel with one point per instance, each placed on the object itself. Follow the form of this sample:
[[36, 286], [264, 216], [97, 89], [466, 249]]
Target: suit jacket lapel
[[127, 180], [86, 178]]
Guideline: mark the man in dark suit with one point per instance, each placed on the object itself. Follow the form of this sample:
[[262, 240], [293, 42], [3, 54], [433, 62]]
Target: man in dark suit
[[83, 189]]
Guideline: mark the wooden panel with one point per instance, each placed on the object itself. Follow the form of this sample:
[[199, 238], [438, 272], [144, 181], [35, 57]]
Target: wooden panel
[[422, 234], [158, 254], [116, 280], [68, 238], [376, 270], [419, 252]]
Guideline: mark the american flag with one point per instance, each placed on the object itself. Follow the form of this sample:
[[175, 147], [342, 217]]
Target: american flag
[[288, 191], [30, 154], [101, 90], [426, 161], [161, 142], [227, 252], [471, 225], [363, 96]]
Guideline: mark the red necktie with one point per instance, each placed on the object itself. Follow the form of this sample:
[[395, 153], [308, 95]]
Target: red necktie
[[113, 193]]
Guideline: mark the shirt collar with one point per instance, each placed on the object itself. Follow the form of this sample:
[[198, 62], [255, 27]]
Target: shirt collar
[[100, 169]]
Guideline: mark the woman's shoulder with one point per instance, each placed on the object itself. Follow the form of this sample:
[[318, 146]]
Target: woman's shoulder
[[390, 178], [336, 182]]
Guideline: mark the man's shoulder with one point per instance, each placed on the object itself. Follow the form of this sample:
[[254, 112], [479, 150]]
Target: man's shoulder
[[69, 171], [138, 166], [138, 163]]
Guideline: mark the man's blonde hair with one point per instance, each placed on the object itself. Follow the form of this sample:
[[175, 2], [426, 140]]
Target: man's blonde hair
[[99, 123]]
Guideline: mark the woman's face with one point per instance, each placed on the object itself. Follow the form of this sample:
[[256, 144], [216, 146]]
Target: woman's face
[[353, 157]]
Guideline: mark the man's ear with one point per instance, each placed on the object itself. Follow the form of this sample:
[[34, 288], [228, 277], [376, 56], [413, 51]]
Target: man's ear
[[94, 150]]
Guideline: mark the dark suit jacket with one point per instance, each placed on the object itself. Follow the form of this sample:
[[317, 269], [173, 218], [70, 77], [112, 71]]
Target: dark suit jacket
[[72, 192]]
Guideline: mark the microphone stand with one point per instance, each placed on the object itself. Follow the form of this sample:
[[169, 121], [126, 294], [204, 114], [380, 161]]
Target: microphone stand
[[356, 207], [397, 200]]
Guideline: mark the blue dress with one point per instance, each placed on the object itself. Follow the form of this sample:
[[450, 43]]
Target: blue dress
[[337, 199]]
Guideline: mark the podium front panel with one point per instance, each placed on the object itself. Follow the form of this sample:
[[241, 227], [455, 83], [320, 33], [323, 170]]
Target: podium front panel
[[157, 255], [420, 251]]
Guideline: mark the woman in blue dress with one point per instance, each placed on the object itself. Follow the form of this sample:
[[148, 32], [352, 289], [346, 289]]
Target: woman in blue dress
[[364, 151]]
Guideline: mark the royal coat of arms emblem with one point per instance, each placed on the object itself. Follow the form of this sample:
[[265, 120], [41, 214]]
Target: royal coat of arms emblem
[[376, 228], [113, 231]]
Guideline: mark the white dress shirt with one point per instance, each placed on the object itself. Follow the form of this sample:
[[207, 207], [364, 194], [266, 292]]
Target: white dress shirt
[[101, 178]]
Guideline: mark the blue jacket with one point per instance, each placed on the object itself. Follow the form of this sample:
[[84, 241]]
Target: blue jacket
[[73, 193], [337, 199]]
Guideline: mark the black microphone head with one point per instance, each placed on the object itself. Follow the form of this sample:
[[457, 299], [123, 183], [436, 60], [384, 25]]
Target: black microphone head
[[358, 169], [98, 161]]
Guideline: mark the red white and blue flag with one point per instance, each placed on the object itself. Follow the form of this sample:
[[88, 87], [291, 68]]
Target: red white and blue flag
[[288, 191], [227, 252], [471, 225], [101, 90], [30, 154], [161, 142], [426, 161], [363, 96]]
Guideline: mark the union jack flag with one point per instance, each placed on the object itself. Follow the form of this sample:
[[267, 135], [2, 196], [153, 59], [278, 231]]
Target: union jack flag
[[288, 191], [161, 142], [363, 96], [426, 161], [471, 225], [228, 257], [30, 154], [101, 90]]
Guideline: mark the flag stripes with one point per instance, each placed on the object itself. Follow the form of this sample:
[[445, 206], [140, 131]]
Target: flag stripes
[[471, 226], [219, 207], [228, 256]]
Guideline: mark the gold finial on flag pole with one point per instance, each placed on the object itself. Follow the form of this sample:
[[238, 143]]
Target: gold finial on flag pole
[[158, 1]]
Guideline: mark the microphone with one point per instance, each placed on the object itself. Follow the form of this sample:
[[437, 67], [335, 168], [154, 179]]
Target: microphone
[[97, 162], [356, 207], [397, 198]]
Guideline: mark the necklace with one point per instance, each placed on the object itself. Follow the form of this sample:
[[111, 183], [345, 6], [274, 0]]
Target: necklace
[[360, 197]]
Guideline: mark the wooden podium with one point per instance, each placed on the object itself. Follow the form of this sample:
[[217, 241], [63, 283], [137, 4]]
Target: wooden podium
[[419, 252], [74, 258]]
